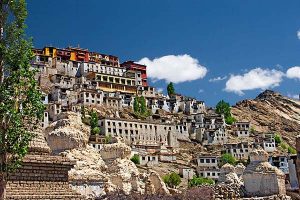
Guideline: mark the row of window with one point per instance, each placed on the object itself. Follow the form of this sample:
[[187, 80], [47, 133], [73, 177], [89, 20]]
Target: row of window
[[210, 174], [213, 160], [131, 125], [269, 145]]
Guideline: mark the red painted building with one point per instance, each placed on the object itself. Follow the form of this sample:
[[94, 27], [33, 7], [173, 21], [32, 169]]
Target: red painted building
[[131, 65]]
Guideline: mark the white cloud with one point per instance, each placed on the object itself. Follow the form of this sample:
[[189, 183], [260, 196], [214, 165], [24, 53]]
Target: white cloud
[[293, 96], [200, 91], [254, 79], [298, 34], [160, 90], [216, 79], [174, 68], [293, 72]]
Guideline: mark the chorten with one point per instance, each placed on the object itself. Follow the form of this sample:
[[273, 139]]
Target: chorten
[[41, 175]]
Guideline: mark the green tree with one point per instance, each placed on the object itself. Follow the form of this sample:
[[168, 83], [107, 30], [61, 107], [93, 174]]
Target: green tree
[[96, 131], [94, 119], [223, 107], [135, 159], [21, 107], [227, 158], [136, 105], [172, 180], [196, 181], [140, 107], [170, 89], [277, 139]]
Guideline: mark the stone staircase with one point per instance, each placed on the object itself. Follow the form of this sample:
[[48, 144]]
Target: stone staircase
[[40, 190]]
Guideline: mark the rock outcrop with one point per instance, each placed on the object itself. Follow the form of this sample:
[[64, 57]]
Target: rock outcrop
[[95, 176], [270, 111], [68, 132]]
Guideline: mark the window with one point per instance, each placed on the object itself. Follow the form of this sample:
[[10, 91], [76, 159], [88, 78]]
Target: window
[[201, 160], [143, 158], [213, 160], [213, 174], [207, 160], [109, 130]]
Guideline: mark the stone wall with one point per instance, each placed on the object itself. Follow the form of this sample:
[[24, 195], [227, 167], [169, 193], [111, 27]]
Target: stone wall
[[41, 177]]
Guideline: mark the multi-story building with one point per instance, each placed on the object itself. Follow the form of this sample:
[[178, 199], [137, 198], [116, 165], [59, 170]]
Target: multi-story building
[[208, 166], [141, 71], [239, 150], [140, 132], [241, 129]]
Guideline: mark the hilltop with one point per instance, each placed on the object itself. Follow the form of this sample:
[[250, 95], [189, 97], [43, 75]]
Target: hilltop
[[271, 112]]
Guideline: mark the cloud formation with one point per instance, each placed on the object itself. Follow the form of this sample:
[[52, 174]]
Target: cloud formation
[[174, 68], [257, 78], [216, 79], [293, 96], [293, 72], [298, 34]]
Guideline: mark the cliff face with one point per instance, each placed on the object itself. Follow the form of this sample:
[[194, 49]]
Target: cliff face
[[270, 111]]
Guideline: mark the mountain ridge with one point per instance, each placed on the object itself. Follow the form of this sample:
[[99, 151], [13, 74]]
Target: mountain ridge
[[271, 112]]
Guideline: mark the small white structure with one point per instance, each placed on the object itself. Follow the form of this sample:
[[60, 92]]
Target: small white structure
[[148, 158], [269, 144], [186, 172]]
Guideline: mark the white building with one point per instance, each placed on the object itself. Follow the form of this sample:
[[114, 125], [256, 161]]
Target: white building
[[208, 166], [140, 132], [239, 150], [242, 129]]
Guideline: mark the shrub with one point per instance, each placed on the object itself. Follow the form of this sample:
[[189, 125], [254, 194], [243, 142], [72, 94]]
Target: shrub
[[277, 139], [252, 130], [135, 159], [284, 145], [96, 131], [228, 158], [291, 150], [108, 139], [172, 180], [196, 181]]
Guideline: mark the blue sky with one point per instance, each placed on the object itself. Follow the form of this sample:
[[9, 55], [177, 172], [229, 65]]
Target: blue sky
[[248, 44]]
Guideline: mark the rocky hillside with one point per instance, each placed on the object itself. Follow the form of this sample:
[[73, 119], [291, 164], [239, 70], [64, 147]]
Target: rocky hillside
[[270, 111]]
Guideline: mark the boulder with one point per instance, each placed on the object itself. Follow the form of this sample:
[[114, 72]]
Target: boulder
[[68, 132]]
